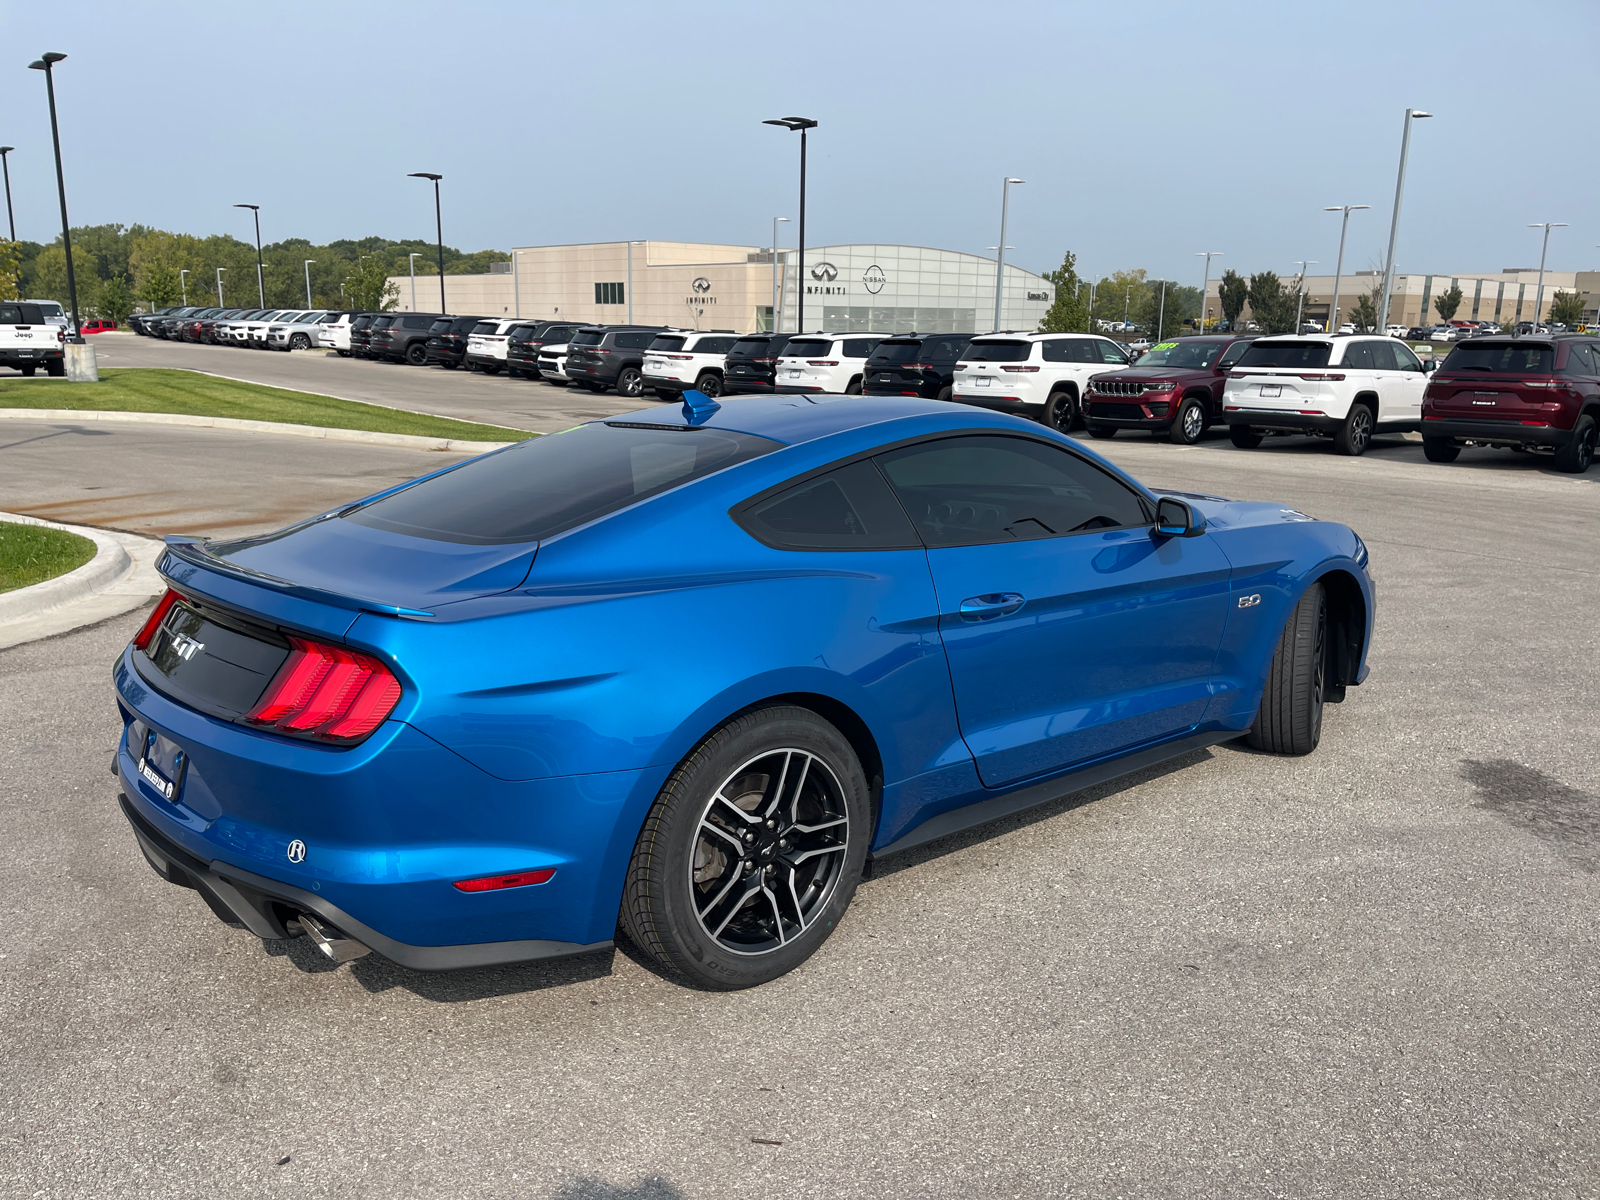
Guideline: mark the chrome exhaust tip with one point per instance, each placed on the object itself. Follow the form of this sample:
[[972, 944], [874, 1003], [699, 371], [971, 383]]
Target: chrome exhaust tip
[[330, 941]]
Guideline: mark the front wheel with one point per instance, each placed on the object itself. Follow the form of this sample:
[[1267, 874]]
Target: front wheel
[[1244, 437], [1355, 435], [1290, 718], [630, 382], [1439, 450], [1101, 431], [1575, 457], [752, 851], [1060, 411], [1189, 424], [299, 342]]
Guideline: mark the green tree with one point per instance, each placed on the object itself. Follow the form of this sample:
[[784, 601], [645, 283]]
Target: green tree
[[1566, 308], [1160, 319], [116, 299], [369, 287], [1070, 311], [1446, 303], [1232, 292], [161, 286], [1272, 302], [50, 277], [10, 270], [1364, 314]]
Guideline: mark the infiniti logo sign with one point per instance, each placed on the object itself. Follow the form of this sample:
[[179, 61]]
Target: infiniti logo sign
[[825, 271], [702, 284]]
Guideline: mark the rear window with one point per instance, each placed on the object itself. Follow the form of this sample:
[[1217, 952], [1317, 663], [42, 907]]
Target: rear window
[[588, 337], [898, 351], [665, 342], [441, 326], [21, 314], [714, 345], [544, 485], [521, 333], [1503, 358], [382, 322], [557, 334], [801, 347], [1194, 355], [751, 347], [361, 323], [1286, 354], [998, 351], [486, 327]]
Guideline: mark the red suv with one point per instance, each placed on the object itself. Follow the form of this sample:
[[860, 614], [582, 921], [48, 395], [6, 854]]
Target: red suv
[[1516, 393], [1176, 388]]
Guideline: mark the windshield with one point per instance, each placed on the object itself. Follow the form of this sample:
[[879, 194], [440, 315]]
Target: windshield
[[1196, 355], [1503, 358], [665, 342], [1286, 354], [997, 352], [544, 485]]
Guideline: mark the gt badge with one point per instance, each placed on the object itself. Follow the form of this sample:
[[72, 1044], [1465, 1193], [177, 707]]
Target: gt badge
[[1249, 601], [297, 851]]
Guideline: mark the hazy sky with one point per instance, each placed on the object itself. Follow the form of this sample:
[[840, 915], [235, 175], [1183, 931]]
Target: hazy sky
[[1145, 132]]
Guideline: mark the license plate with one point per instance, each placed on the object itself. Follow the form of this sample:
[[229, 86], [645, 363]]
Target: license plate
[[796, 374], [654, 366], [1271, 391], [981, 381], [158, 760], [885, 379]]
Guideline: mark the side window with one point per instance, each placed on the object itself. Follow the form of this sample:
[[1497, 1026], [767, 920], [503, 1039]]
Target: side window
[[1058, 351], [1358, 356], [634, 341], [1404, 359], [858, 347], [1578, 361], [1231, 355], [966, 491], [713, 345], [847, 509], [1111, 354]]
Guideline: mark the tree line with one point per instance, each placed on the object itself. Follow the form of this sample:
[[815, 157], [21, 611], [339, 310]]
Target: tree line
[[121, 267], [1159, 306]]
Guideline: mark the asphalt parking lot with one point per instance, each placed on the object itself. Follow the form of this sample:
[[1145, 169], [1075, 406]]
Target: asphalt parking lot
[[1369, 972]]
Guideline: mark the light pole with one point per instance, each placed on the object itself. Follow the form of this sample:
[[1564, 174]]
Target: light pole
[[44, 63], [411, 262], [801, 124], [1161, 319], [1127, 299], [183, 286], [1091, 307], [1300, 307], [1538, 295], [309, 261], [775, 220], [1412, 114], [5, 164], [1000, 250], [438, 220], [1208, 255], [1338, 269], [261, 283], [220, 270]]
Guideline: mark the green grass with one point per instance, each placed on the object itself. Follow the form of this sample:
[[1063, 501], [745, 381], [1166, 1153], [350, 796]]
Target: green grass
[[31, 554], [153, 390]]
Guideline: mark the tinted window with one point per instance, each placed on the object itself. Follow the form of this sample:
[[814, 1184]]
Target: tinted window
[[1515, 358], [633, 341], [1404, 360], [547, 484], [848, 509], [1231, 356], [809, 347], [1286, 354], [521, 333], [859, 347], [442, 326], [418, 322], [998, 351], [382, 322], [968, 490], [668, 342], [485, 327], [1193, 354], [464, 324], [714, 345], [944, 349], [21, 314], [588, 337], [557, 334], [759, 347], [1110, 352], [898, 351]]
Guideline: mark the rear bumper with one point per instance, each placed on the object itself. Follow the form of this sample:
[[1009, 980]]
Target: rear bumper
[[1502, 433], [481, 360], [1005, 404], [666, 385], [927, 391], [29, 358], [796, 388], [1290, 422], [734, 385]]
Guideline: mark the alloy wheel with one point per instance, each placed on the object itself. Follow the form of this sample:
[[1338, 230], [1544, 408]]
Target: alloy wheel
[[1194, 423], [769, 851], [709, 385], [629, 382]]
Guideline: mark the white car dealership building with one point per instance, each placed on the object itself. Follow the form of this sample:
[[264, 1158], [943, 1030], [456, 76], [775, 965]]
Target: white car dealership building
[[865, 288]]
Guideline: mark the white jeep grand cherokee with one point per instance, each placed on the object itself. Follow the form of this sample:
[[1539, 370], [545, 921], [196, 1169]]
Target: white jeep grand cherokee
[[680, 359], [826, 362], [1333, 386], [1038, 375]]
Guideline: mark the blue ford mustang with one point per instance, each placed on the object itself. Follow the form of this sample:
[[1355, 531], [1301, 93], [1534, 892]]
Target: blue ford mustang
[[684, 672]]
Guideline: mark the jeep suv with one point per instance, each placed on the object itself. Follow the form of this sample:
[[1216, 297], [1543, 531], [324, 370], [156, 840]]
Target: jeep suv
[[447, 340], [752, 362], [826, 362], [1037, 375], [1335, 386], [486, 344], [603, 357], [1175, 388], [404, 339], [915, 364], [1539, 394], [676, 362], [361, 335], [526, 342], [28, 341], [334, 333]]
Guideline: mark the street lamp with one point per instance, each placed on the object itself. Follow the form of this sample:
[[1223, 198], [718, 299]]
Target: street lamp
[[5, 164], [1300, 307], [44, 63], [1338, 270], [1538, 295], [1208, 255], [775, 220], [261, 285], [438, 220], [1412, 114], [183, 286], [801, 124], [1127, 299], [1000, 250], [309, 261], [220, 304], [411, 262]]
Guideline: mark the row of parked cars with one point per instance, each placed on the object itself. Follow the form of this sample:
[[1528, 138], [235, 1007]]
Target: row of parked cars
[[1538, 392]]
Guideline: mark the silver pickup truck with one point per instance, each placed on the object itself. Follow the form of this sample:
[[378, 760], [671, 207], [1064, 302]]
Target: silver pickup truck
[[28, 341]]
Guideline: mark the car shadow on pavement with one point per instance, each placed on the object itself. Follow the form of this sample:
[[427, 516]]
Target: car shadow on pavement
[[653, 1187]]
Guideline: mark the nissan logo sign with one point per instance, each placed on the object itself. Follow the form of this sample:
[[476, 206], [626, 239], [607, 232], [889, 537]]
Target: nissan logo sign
[[702, 285], [874, 278], [825, 272]]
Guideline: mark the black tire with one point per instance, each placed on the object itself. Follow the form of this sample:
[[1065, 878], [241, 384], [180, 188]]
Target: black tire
[[1290, 718], [56, 368], [340, 353], [853, 388], [1190, 423], [299, 341], [668, 396], [28, 371], [448, 365], [489, 368], [1244, 437], [1101, 431], [691, 870], [1439, 450], [1574, 458], [630, 382], [709, 384], [1060, 411], [417, 354], [1355, 435], [944, 394]]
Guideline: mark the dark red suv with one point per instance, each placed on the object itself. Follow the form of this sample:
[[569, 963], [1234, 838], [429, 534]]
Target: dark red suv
[[1175, 388], [1524, 393]]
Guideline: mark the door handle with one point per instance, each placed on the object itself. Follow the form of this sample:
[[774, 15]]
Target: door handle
[[991, 604]]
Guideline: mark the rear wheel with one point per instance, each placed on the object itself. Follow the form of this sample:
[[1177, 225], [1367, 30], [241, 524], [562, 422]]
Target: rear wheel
[[1577, 454], [853, 388], [1290, 718], [629, 382], [1355, 435], [1101, 431], [709, 384], [489, 368], [944, 394], [1060, 411], [417, 354], [1244, 437], [1439, 450], [751, 853], [56, 368], [1189, 424]]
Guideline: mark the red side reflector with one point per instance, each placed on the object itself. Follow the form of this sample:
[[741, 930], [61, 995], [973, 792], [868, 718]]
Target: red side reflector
[[1541, 424], [327, 692], [142, 640], [493, 883]]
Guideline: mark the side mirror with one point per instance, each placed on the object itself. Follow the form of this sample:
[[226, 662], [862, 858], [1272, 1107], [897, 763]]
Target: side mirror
[[1429, 367], [1176, 518]]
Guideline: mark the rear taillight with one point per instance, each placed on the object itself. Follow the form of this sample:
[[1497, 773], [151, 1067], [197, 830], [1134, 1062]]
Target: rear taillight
[[163, 606], [822, 362], [327, 692], [678, 357], [1019, 368], [1323, 378], [1542, 383]]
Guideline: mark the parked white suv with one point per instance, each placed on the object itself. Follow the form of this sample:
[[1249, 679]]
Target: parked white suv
[[300, 333], [679, 360], [334, 333], [487, 344], [1038, 375], [553, 360], [252, 331], [825, 362], [1344, 388]]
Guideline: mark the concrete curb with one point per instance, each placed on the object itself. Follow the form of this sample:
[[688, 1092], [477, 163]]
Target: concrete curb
[[405, 440], [118, 579]]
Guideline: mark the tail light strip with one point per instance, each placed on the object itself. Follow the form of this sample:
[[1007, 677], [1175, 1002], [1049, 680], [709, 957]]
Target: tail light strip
[[141, 640], [327, 692]]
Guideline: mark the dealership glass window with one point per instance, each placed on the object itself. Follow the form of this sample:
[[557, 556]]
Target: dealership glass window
[[608, 293]]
